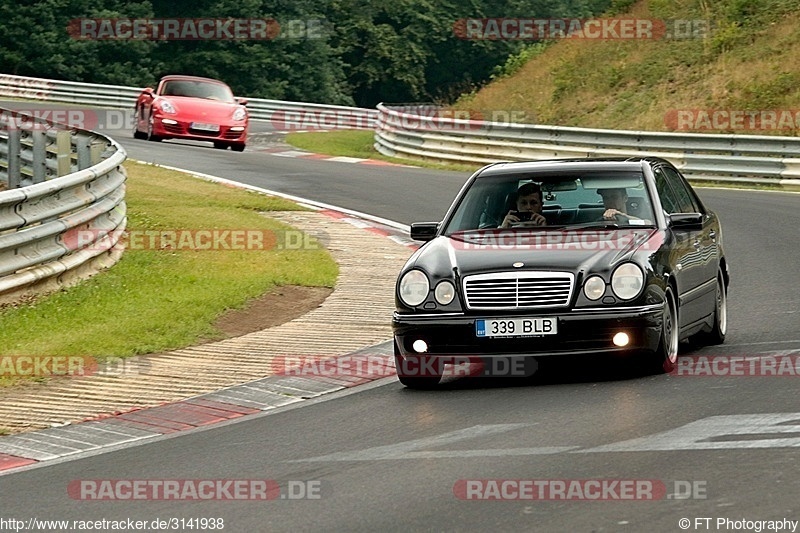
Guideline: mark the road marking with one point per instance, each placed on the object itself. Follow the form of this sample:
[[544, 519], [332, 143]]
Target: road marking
[[769, 430], [412, 449]]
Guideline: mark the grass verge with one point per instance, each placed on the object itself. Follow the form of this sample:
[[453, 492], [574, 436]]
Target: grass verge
[[358, 143], [156, 299]]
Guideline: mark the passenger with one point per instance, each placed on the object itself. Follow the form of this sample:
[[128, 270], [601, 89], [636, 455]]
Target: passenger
[[528, 200]]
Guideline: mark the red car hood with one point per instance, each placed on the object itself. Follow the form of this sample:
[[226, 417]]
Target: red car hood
[[202, 109]]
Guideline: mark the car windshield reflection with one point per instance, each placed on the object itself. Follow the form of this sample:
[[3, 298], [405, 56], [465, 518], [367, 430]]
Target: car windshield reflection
[[589, 200]]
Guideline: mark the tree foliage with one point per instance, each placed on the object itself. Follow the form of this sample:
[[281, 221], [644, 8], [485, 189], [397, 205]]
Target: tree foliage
[[367, 51]]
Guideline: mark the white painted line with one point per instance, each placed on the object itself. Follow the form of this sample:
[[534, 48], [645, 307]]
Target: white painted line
[[493, 452], [290, 153], [298, 199], [404, 450], [356, 222], [717, 433], [343, 159]]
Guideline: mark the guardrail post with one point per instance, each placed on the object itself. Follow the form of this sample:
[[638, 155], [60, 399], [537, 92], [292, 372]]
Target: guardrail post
[[96, 150], [39, 156], [64, 152], [82, 147], [14, 175]]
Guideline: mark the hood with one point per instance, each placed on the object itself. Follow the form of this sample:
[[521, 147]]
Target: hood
[[572, 251], [202, 109]]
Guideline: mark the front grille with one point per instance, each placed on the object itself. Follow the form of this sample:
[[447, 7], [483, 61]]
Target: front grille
[[203, 133], [518, 290]]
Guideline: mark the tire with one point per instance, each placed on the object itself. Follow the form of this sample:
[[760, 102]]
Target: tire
[[720, 327], [238, 147], [220, 145], [150, 136], [413, 382], [136, 133], [665, 358]]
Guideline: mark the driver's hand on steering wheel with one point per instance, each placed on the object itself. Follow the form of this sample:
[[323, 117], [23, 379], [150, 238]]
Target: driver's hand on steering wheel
[[612, 214]]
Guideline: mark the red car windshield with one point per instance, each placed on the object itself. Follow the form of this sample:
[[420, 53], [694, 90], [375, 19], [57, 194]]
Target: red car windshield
[[197, 89]]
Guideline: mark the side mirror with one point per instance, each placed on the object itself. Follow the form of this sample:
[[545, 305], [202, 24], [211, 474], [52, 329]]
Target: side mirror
[[687, 221], [424, 231], [242, 101]]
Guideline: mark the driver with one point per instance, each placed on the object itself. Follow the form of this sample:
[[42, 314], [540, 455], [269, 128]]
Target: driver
[[615, 202]]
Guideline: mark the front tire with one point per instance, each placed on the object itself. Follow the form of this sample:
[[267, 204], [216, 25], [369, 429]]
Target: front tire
[[410, 372], [150, 136], [238, 147], [665, 358]]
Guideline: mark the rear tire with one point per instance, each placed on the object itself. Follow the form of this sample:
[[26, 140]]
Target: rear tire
[[136, 133], [720, 327]]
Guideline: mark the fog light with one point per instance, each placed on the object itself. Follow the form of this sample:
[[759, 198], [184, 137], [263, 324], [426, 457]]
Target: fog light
[[420, 346], [237, 128], [169, 121], [621, 339]]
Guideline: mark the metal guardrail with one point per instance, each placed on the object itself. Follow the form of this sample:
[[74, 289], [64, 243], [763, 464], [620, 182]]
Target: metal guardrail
[[293, 114], [722, 158], [63, 209]]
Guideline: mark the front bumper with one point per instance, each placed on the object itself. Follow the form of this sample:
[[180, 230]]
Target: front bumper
[[580, 332], [182, 129]]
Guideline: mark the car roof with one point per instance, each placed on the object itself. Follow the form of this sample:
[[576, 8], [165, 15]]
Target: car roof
[[570, 165], [173, 77]]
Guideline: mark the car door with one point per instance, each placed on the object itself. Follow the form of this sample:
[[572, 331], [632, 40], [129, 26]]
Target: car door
[[686, 257], [706, 242]]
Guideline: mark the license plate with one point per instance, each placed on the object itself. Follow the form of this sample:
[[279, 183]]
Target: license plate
[[202, 126], [516, 327]]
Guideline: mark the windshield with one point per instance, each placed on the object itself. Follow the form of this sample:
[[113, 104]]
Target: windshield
[[198, 89], [576, 200]]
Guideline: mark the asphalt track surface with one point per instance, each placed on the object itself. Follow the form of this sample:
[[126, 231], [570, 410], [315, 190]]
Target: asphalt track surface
[[387, 458]]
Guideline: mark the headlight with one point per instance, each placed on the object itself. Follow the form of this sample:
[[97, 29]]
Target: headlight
[[627, 281], [594, 287], [239, 114], [445, 292], [167, 107], [414, 288]]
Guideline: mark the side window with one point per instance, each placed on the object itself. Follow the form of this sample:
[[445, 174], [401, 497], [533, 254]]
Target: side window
[[669, 200], [686, 202]]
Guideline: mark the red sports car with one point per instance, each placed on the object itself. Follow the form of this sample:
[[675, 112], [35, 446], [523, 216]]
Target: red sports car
[[189, 107]]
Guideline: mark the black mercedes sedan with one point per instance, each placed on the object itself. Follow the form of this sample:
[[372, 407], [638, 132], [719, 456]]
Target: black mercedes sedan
[[562, 257]]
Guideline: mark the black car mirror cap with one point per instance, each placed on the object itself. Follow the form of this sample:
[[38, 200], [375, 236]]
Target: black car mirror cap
[[686, 220], [424, 231]]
